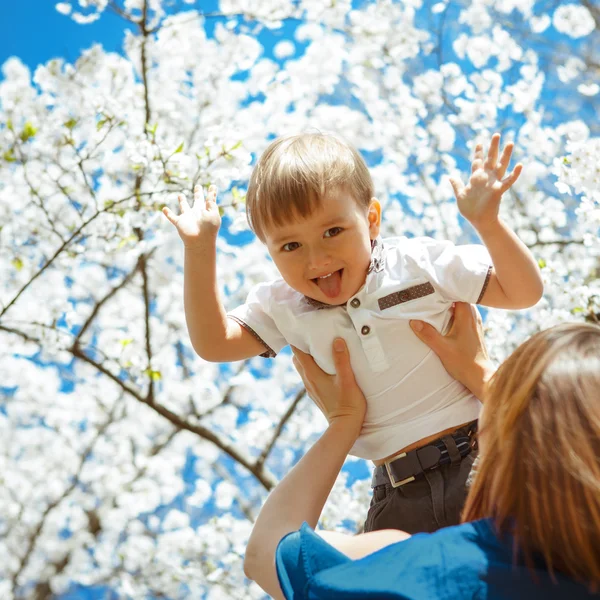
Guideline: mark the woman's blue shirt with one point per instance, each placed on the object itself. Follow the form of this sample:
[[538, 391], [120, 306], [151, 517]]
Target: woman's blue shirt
[[466, 561]]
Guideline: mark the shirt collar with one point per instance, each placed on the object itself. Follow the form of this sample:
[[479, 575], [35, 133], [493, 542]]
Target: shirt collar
[[376, 265]]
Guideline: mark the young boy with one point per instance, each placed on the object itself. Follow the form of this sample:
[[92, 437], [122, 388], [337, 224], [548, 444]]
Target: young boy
[[311, 201]]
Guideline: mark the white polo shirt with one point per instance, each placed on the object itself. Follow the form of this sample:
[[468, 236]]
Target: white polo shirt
[[409, 393]]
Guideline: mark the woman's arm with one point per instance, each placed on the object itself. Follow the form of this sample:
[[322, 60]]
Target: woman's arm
[[462, 350], [302, 493]]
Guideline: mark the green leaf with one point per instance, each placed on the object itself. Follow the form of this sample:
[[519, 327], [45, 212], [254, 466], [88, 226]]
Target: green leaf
[[9, 155], [17, 263], [9, 125], [100, 124], [28, 132], [109, 204], [566, 161], [70, 124], [221, 210], [179, 148], [151, 129], [576, 310], [154, 375], [236, 146], [126, 342], [126, 241], [541, 263]]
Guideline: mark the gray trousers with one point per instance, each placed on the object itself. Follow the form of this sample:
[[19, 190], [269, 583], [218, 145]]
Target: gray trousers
[[432, 501]]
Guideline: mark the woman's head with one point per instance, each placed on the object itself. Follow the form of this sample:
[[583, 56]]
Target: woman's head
[[539, 475]]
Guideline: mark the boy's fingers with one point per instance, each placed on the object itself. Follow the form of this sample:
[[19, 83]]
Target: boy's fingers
[[198, 197], [505, 159], [510, 179], [492, 156], [183, 203], [477, 158], [170, 215], [457, 185], [211, 198]]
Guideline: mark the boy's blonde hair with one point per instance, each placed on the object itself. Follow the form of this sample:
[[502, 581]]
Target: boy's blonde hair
[[539, 475], [295, 174]]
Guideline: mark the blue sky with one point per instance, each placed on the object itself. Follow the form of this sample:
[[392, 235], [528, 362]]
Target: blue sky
[[35, 32]]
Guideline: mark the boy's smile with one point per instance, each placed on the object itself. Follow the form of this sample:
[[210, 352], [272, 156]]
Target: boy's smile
[[325, 255]]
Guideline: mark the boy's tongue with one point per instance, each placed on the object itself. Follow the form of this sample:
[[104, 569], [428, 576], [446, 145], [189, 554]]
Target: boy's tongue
[[331, 286]]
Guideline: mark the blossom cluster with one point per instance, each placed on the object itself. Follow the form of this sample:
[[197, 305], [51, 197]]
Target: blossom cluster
[[130, 464]]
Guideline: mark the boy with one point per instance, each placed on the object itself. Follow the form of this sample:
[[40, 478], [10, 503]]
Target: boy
[[311, 201]]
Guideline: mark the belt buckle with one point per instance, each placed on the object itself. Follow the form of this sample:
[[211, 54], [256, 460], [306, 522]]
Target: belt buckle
[[393, 481]]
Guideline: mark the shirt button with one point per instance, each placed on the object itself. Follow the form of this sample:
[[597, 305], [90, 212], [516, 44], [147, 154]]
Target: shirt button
[[355, 303], [365, 330]]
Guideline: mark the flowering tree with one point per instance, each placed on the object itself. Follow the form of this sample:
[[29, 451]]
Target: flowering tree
[[130, 465]]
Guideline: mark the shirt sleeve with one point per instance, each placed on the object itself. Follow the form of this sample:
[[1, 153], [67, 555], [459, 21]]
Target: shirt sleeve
[[255, 317], [461, 273], [300, 555]]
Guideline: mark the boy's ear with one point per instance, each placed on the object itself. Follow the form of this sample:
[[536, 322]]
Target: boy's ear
[[374, 217]]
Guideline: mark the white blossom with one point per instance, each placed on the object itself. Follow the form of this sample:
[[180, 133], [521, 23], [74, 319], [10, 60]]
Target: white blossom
[[120, 447], [573, 20]]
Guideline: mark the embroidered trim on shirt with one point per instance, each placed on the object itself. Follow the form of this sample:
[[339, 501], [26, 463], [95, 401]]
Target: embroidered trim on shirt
[[485, 283], [411, 293], [377, 257], [269, 353], [319, 305]]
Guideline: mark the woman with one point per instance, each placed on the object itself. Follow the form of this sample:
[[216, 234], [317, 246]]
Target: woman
[[532, 519]]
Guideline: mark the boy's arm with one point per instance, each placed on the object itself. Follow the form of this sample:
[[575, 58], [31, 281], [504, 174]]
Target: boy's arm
[[516, 281], [214, 337]]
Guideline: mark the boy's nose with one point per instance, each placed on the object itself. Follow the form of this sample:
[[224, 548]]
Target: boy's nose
[[318, 261]]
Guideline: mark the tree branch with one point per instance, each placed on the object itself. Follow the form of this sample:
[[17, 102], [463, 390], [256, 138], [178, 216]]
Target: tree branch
[[76, 478], [284, 419]]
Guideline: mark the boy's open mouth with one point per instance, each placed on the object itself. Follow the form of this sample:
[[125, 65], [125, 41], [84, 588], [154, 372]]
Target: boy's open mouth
[[330, 283]]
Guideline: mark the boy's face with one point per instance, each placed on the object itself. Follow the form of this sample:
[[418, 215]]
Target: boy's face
[[325, 256]]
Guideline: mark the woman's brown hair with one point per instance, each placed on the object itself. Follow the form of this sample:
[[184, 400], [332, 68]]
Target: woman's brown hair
[[295, 173], [539, 475]]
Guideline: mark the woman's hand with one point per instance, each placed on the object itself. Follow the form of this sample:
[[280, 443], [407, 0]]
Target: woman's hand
[[199, 223], [338, 396], [462, 350]]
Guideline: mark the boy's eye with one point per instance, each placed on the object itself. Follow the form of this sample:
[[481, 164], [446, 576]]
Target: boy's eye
[[290, 246], [333, 232]]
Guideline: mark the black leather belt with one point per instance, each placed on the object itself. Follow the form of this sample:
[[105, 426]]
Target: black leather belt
[[406, 467]]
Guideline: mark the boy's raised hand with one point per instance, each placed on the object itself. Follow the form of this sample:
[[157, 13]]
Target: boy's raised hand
[[199, 222], [479, 200]]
